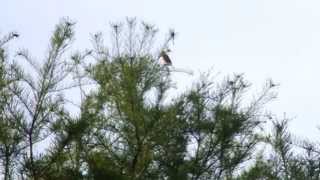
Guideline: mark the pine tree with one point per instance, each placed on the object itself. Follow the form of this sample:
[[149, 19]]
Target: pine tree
[[137, 132], [10, 116], [129, 125], [37, 104]]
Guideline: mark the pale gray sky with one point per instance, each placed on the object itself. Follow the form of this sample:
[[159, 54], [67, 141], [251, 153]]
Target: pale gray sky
[[278, 39]]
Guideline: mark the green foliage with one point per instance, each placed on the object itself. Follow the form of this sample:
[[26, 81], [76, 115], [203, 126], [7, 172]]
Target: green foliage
[[129, 126], [260, 170], [10, 116]]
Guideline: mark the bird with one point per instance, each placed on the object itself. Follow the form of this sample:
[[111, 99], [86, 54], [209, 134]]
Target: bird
[[15, 35], [173, 35], [164, 58]]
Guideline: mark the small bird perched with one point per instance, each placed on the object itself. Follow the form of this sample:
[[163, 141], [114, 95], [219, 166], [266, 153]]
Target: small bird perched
[[164, 58], [15, 35]]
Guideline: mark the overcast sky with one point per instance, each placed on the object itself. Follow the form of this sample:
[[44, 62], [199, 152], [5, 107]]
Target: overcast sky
[[278, 39]]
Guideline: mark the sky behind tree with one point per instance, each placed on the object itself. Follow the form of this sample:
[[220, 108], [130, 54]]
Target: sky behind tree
[[278, 39]]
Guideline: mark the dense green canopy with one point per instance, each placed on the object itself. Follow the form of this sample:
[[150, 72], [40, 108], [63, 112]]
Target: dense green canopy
[[129, 126]]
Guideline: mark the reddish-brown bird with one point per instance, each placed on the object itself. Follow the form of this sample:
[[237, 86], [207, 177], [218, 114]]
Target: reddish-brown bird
[[164, 58]]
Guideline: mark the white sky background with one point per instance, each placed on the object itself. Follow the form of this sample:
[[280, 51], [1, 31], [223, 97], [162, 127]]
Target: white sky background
[[278, 39]]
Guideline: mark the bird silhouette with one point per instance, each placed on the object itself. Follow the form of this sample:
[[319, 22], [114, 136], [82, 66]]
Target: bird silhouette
[[172, 35], [164, 58], [15, 35]]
